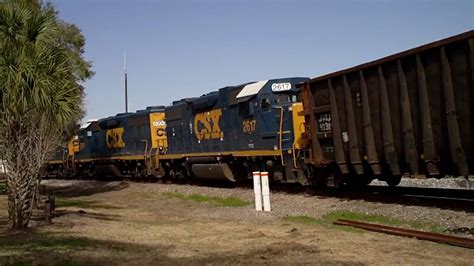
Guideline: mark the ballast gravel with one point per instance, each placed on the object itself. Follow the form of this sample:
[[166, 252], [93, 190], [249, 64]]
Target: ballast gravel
[[450, 182], [284, 204]]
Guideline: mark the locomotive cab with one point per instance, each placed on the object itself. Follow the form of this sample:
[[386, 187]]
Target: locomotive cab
[[278, 120]]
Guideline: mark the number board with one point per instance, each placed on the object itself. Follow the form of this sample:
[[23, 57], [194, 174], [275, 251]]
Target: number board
[[249, 126], [281, 87]]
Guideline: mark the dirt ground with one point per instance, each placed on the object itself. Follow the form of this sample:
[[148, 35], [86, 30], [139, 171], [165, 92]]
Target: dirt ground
[[138, 224]]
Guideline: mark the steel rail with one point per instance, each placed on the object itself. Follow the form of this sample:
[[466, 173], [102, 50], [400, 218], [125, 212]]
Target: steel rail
[[440, 238]]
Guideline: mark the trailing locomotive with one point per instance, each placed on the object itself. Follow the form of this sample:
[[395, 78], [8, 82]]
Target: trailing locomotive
[[120, 145]]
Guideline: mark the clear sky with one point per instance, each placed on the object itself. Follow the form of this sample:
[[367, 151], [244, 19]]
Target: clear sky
[[184, 48]]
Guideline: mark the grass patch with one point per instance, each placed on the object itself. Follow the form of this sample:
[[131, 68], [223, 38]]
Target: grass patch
[[55, 249], [328, 219], [83, 204], [380, 219], [46, 243], [218, 201]]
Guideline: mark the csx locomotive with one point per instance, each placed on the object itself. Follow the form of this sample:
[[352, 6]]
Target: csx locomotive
[[408, 113], [223, 134]]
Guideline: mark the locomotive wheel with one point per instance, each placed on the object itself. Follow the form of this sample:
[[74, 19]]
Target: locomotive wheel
[[393, 180]]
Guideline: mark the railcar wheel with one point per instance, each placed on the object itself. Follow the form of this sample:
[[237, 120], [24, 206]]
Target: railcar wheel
[[393, 180], [359, 181]]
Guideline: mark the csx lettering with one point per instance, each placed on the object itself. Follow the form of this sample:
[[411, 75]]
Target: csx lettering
[[249, 126], [206, 125], [114, 138]]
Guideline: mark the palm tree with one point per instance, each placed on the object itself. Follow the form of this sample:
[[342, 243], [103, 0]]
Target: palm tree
[[41, 67]]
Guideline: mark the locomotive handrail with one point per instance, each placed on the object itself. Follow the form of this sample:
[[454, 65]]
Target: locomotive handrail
[[280, 134], [293, 151]]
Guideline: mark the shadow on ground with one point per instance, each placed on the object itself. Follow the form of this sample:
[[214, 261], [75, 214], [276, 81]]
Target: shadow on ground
[[59, 249], [75, 188], [92, 215]]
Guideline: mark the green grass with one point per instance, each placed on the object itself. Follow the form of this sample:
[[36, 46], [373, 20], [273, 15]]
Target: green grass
[[43, 242], [328, 219], [83, 204], [53, 249], [218, 201]]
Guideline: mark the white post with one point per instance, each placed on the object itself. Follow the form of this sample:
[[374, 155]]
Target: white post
[[265, 192], [257, 189]]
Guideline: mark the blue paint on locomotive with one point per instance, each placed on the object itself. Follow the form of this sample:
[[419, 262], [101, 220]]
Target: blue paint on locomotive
[[117, 136], [221, 122]]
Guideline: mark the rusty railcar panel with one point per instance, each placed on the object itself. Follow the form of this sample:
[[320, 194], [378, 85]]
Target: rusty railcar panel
[[337, 133], [387, 131], [354, 152], [411, 112]]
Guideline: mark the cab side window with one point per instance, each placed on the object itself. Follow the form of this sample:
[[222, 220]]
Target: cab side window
[[246, 108], [294, 98]]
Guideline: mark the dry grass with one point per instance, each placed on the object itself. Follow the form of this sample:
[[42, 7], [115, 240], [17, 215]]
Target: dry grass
[[124, 228], [328, 220]]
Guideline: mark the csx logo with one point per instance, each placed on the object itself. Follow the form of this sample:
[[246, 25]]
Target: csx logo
[[114, 138], [206, 125], [159, 123]]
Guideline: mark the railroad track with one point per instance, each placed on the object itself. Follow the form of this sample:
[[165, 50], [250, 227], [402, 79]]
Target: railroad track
[[441, 197], [454, 199]]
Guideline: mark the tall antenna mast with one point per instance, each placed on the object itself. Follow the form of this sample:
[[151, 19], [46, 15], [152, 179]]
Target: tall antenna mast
[[126, 83]]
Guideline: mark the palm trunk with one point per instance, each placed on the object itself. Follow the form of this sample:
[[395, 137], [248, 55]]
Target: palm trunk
[[20, 201]]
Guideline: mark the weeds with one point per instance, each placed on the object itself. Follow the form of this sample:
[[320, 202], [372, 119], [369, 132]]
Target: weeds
[[49, 248], [43, 242], [83, 204], [328, 219], [218, 201]]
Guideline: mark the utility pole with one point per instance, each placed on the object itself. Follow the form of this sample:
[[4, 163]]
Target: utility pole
[[126, 83]]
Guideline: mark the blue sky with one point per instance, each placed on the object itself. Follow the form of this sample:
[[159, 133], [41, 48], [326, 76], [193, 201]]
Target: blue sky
[[178, 49]]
